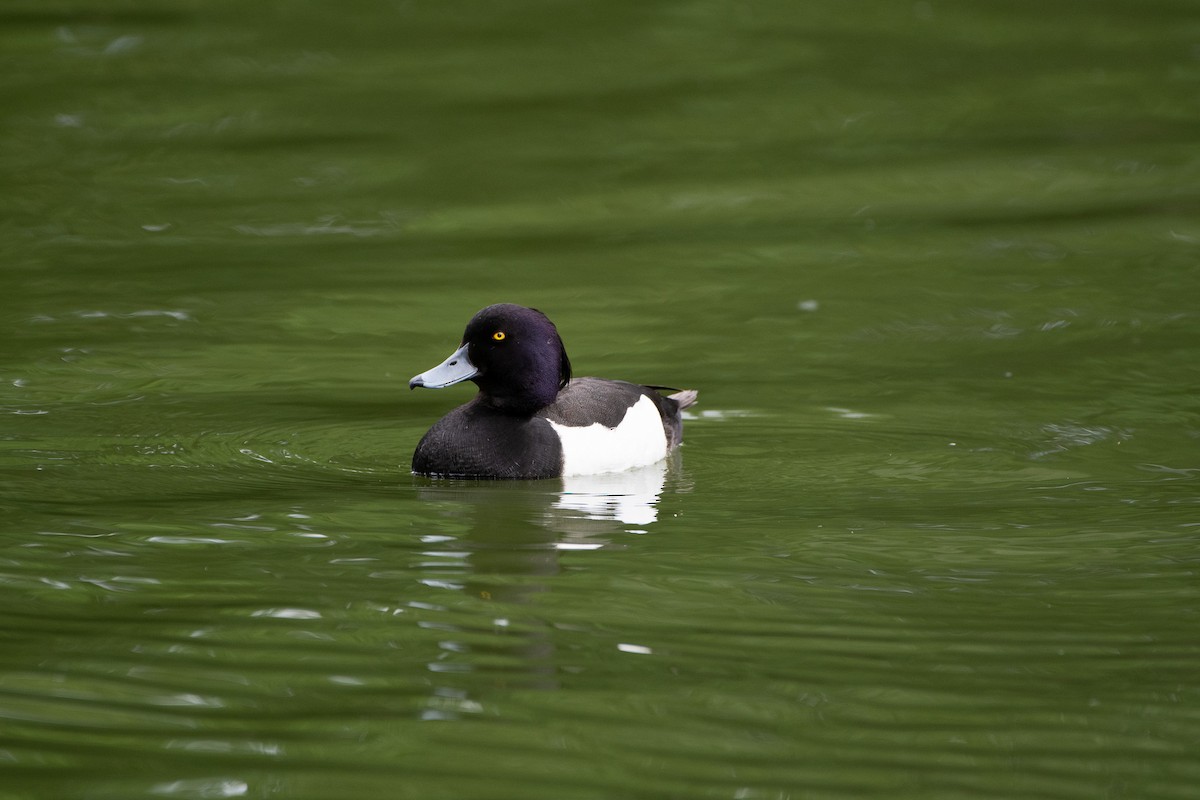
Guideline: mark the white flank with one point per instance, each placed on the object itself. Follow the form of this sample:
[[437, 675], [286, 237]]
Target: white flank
[[638, 440]]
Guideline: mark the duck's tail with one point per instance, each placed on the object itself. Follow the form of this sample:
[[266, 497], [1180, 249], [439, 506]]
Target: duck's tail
[[685, 398]]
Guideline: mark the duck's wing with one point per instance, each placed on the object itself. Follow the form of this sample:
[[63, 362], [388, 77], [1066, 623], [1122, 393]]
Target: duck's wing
[[587, 401]]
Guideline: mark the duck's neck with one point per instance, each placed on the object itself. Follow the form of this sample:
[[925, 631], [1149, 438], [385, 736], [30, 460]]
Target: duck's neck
[[518, 403]]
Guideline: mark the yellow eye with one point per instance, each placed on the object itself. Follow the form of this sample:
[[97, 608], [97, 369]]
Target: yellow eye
[[499, 336]]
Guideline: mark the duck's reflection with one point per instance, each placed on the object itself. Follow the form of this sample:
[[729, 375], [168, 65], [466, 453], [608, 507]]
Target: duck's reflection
[[579, 512], [629, 498], [511, 538]]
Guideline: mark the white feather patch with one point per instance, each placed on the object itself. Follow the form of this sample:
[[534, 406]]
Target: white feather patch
[[638, 440]]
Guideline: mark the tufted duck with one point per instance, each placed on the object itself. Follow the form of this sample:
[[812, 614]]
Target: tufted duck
[[530, 419]]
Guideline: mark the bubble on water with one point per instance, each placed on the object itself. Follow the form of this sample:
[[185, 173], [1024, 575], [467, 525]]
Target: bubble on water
[[203, 788], [123, 44], [287, 613]]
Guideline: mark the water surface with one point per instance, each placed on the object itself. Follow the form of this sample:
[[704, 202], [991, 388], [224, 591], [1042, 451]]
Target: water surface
[[933, 269]]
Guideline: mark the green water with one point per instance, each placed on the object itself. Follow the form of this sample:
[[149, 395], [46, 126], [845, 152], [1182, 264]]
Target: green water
[[934, 269]]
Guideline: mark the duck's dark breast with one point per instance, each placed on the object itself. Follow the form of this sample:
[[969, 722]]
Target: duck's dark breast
[[473, 441]]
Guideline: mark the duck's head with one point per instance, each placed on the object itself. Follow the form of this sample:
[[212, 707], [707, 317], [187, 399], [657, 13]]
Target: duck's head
[[512, 353]]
